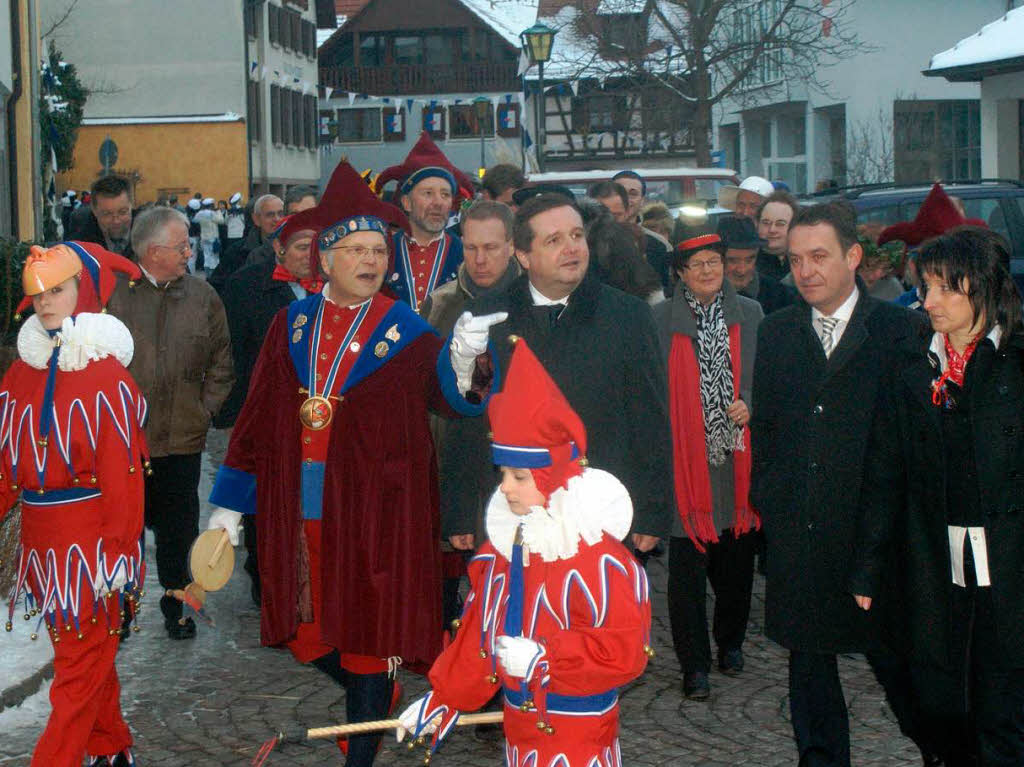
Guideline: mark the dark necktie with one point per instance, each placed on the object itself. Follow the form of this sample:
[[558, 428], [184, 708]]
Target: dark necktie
[[554, 311]]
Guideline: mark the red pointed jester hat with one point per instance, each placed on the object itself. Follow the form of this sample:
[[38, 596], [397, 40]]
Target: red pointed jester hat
[[534, 427], [936, 216], [425, 160], [347, 205], [98, 267]]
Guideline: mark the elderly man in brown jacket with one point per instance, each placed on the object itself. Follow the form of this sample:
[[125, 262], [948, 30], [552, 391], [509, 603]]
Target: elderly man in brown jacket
[[182, 363]]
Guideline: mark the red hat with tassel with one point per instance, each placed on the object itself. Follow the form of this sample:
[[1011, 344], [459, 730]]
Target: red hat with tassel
[[98, 269], [347, 206], [534, 427], [936, 216], [426, 160]]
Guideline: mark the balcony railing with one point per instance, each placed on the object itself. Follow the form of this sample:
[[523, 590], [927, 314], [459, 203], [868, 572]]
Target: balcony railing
[[405, 79]]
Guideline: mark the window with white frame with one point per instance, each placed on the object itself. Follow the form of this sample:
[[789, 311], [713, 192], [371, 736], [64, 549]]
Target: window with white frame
[[750, 26]]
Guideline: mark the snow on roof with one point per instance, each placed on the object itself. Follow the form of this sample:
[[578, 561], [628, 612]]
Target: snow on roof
[[322, 35], [575, 52], [611, 7], [1002, 39], [226, 117], [506, 17]]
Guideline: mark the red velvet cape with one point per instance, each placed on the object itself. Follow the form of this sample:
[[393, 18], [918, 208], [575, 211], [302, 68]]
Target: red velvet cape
[[381, 564]]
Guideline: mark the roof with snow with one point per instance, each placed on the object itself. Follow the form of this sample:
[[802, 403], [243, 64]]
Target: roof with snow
[[506, 17], [323, 35], [996, 48], [576, 52]]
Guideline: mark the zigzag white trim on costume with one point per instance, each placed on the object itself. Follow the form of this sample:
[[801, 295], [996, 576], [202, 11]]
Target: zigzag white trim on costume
[[607, 759], [641, 586], [15, 428], [62, 596], [599, 614], [542, 597]]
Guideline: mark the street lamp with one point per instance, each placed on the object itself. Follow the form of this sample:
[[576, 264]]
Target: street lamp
[[536, 42], [481, 104]]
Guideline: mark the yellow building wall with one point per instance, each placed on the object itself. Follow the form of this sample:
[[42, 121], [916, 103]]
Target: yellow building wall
[[163, 158]]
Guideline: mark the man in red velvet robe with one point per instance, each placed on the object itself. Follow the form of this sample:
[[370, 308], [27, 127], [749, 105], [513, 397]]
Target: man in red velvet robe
[[332, 453]]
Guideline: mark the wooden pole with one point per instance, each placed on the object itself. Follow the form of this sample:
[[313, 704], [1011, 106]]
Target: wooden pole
[[361, 728], [225, 539]]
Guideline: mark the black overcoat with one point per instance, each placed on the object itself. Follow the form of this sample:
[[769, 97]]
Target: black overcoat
[[905, 503], [603, 353], [811, 417], [252, 298]]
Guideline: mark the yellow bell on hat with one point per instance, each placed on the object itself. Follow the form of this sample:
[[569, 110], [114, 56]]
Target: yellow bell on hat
[[47, 268]]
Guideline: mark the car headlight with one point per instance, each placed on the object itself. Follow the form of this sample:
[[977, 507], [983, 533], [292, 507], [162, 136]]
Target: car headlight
[[693, 211]]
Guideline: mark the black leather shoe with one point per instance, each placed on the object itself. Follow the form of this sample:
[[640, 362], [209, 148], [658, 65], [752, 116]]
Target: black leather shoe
[[696, 685], [124, 759], [730, 662], [932, 760], [183, 629]]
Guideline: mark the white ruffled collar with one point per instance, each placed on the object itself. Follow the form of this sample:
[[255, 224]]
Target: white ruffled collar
[[82, 339], [593, 503]]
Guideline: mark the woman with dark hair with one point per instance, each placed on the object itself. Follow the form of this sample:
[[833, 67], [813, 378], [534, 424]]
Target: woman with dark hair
[[946, 495], [709, 338], [615, 258]]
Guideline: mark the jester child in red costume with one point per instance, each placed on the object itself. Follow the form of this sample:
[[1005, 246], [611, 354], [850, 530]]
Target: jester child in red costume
[[72, 449], [559, 614]]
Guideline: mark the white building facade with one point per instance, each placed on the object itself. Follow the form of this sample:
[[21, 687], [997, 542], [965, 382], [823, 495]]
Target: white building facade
[[879, 118], [994, 57]]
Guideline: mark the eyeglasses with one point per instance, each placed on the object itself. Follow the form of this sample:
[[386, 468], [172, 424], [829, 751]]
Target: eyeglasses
[[711, 264], [181, 248], [360, 251]]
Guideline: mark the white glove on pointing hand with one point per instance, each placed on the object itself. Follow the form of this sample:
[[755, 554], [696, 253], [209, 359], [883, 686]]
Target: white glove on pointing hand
[[516, 654], [226, 519], [469, 340]]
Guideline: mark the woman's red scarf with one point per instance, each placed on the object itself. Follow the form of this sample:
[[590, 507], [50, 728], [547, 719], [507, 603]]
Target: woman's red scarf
[[689, 448], [309, 284]]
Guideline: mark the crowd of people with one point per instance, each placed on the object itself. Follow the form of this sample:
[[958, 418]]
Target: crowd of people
[[845, 403]]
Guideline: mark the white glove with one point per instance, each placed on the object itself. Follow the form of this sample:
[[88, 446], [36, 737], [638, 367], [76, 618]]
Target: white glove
[[517, 654], [226, 519], [469, 340], [410, 718]]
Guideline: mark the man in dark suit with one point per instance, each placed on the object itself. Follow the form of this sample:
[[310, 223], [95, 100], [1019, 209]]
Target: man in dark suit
[[814, 393], [602, 349]]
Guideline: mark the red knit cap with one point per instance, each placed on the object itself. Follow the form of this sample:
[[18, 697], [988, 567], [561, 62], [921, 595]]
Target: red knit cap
[[936, 216], [534, 427], [425, 154], [99, 273]]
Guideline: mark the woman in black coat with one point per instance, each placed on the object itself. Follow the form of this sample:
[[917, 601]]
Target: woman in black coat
[[946, 480]]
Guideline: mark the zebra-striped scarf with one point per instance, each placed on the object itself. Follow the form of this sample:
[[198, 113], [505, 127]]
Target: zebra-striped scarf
[[716, 387]]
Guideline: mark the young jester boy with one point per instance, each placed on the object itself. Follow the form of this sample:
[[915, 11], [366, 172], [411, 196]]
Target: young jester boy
[[559, 613]]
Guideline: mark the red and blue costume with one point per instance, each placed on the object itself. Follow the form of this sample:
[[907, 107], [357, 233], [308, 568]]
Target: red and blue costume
[[559, 577], [344, 584], [72, 449]]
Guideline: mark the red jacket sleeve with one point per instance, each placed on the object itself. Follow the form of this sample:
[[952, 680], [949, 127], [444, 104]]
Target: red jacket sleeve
[[465, 675], [586, 660]]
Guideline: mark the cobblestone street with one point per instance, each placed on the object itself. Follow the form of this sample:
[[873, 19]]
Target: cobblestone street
[[213, 700]]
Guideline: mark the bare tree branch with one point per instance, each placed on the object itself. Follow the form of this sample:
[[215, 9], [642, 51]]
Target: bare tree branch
[[59, 21]]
